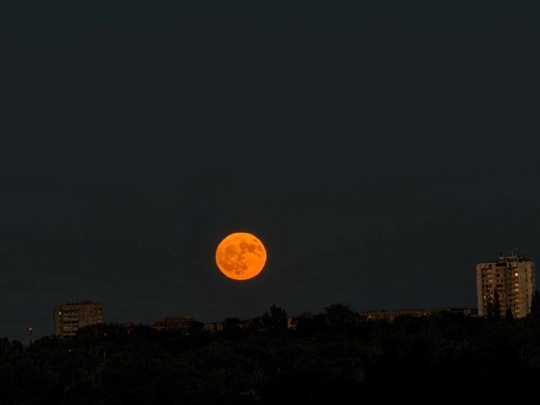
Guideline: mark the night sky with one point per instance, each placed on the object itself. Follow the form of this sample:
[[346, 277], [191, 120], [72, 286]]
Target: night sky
[[377, 151]]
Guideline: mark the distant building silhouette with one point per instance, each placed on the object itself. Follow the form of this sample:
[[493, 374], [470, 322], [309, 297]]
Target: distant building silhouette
[[71, 316], [505, 284], [173, 322], [391, 315]]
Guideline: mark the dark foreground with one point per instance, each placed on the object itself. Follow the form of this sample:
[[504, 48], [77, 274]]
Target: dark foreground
[[333, 356]]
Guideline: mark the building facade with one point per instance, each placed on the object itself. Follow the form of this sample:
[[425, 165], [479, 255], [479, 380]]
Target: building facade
[[71, 316], [506, 283]]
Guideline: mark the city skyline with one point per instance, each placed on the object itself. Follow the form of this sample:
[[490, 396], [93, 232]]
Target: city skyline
[[92, 312], [377, 150], [185, 321]]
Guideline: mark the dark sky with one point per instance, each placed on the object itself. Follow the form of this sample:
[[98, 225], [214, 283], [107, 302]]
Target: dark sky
[[377, 151]]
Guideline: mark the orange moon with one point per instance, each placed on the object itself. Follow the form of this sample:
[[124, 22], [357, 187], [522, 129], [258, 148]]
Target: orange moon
[[240, 256]]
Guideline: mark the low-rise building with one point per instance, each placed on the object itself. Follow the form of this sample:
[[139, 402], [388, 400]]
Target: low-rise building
[[71, 316]]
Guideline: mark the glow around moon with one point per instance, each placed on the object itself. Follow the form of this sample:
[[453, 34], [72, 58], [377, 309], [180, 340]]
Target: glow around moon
[[240, 256]]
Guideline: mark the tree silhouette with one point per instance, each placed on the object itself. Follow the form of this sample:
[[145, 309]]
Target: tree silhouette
[[325, 358], [509, 316], [303, 324], [535, 303], [493, 307], [275, 321], [341, 317]]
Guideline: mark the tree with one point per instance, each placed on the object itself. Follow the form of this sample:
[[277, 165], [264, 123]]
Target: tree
[[303, 324], [232, 328], [509, 316], [493, 307], [535, 303], [341, 317], [276, 321]]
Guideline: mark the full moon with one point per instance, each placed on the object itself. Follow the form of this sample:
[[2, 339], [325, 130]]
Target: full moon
[[240, 256]]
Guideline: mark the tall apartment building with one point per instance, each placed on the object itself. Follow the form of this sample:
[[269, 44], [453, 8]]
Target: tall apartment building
[[511, 278], [71, 316]]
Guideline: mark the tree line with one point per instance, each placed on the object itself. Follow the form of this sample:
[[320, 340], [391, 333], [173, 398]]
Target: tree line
[[337, 355]]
